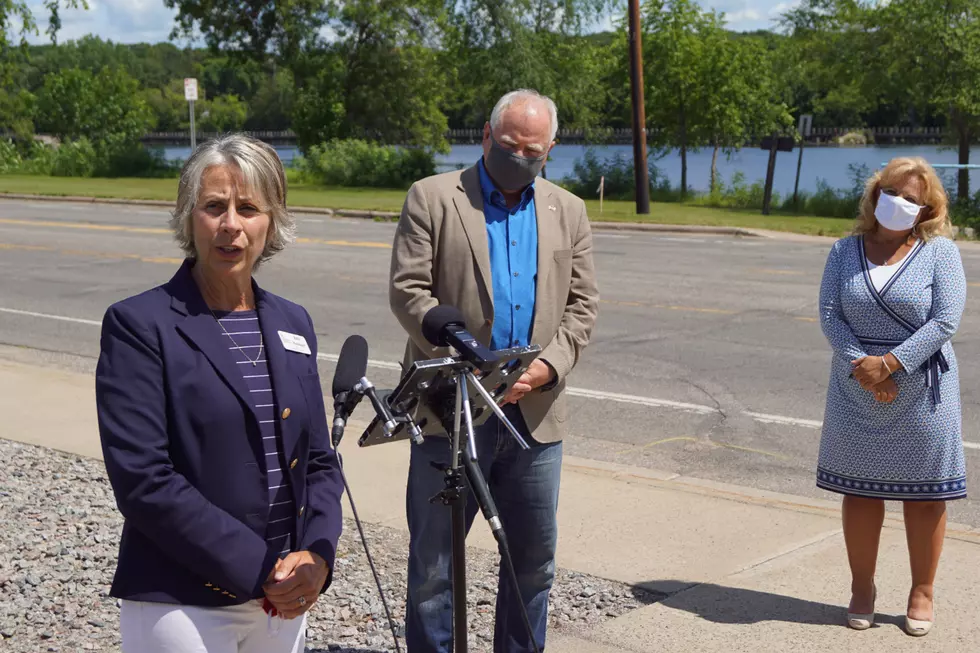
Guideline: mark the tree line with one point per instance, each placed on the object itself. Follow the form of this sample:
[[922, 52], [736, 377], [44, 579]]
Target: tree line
[[405, 71]]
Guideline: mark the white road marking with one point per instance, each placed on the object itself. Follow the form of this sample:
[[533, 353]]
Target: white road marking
[[384, 365], [584, 393], [51, 317], [779, 419], [641, 401]]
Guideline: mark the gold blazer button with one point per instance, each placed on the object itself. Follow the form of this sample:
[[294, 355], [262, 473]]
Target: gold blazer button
[[286, 413]]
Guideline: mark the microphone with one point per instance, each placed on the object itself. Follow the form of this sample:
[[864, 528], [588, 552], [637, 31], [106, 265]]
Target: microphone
[[365, 387], [351, 368], [444, 326]]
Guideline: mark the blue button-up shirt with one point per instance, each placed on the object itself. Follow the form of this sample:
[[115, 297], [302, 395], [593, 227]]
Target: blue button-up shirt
[[513, 238]]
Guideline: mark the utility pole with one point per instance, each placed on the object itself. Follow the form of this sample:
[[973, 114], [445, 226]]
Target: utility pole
[[639, 113]]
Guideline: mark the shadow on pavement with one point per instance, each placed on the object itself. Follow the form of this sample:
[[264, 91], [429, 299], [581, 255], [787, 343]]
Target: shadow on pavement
[[734, 605]]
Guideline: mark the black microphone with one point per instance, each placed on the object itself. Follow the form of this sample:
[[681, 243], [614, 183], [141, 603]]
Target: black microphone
[[351, 368], [444, 326]]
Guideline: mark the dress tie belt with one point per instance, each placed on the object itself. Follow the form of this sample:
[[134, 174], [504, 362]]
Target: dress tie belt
[[934, 367]]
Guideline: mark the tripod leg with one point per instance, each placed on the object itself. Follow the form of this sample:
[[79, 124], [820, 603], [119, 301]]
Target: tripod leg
[[484, 500], [458, 516], [460, 638]]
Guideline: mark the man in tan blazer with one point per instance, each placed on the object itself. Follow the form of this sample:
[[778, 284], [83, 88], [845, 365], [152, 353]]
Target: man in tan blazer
[[513, 252]]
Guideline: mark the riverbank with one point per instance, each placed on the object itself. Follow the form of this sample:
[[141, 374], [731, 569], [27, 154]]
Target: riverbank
[[390, 200]]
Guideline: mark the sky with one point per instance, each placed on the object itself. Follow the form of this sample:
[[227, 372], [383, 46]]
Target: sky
[[149, 21]]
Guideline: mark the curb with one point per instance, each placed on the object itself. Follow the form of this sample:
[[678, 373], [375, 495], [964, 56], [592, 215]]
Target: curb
[[678, 229], [741, 493], [389, 216]]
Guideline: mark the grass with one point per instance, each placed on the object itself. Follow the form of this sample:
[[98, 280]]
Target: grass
[[391, 200], [685, 214]]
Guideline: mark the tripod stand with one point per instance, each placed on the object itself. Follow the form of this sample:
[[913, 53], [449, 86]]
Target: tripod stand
[[443, 392]]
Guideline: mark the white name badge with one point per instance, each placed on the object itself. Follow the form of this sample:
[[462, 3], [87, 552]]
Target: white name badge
[[294, 342]]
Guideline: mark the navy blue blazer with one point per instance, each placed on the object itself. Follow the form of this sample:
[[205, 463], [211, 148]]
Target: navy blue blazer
[[184, 454]]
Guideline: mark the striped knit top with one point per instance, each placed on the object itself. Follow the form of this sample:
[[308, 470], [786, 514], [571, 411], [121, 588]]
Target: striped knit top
[[246, 345]]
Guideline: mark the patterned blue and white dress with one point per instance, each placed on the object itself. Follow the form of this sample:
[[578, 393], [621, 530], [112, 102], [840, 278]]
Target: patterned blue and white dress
[[911, 449]]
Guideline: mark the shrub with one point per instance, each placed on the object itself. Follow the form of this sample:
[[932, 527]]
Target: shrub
[[83, 158], [74, 159], [134, 160], [360, 163], [10, 160], [619, 179]]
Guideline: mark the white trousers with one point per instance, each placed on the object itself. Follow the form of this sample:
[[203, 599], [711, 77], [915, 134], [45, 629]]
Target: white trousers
[[165, 628]]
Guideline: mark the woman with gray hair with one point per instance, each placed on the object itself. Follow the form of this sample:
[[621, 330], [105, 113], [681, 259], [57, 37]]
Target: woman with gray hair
[[214, 430]]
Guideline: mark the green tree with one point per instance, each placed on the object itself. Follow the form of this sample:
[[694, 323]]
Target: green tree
[[225, 113], [677, 41], [936, 65], [376, 76], [17, 113], [740, 95], [272, 104], [106, 108], [494, 46], [833, 62], [168, 107]]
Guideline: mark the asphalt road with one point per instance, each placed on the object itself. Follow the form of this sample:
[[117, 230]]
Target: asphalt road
[[707, 359]]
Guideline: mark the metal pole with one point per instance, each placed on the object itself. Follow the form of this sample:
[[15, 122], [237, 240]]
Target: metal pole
[[639, 112], [799, 164], [193, 131]]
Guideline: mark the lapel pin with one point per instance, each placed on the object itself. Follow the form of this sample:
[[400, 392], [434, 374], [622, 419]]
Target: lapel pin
[[552, 207]]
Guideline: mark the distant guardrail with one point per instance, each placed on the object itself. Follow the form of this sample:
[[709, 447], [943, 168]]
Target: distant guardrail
[[611, 136]]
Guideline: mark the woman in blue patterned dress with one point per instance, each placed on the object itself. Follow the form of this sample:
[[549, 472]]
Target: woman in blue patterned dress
[[890, 301]]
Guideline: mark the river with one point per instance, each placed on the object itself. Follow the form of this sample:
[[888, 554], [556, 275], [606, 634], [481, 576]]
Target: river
[[828, 163]]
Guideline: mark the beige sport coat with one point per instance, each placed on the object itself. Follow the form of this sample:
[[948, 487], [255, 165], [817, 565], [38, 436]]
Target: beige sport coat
[[441, 256]]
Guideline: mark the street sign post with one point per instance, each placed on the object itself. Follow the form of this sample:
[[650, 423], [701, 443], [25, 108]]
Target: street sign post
[[190, 94], [804, 129]]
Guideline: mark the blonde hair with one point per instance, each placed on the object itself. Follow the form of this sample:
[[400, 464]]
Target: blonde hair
[[261, 171], [934, 220]]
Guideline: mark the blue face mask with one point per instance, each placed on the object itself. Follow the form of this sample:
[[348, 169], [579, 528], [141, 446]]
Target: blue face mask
[[512, 172]]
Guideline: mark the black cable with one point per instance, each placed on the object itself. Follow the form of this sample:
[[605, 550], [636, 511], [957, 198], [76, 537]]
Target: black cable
[[377, 579]]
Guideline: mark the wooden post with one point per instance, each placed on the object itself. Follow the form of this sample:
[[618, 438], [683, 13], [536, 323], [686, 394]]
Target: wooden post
[[770, 173], [602, 191], [640, 174]]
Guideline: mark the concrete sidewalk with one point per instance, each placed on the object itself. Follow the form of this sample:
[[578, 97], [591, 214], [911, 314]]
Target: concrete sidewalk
[[745, 570]]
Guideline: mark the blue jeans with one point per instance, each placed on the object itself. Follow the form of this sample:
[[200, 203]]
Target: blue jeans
[[524, 485]]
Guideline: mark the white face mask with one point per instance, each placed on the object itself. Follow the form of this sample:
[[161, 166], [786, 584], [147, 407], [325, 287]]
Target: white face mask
[[896, 213]]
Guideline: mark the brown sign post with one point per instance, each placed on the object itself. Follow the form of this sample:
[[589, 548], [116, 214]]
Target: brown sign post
[[773, 144]]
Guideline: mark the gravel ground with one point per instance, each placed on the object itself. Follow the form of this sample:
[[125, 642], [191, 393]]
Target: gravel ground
[[58, 549]]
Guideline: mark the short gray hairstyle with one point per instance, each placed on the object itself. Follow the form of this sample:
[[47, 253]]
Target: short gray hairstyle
[[262, 172], [520, 96]]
